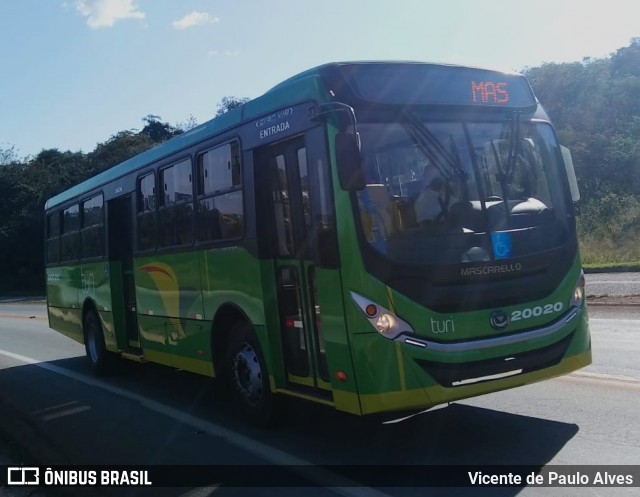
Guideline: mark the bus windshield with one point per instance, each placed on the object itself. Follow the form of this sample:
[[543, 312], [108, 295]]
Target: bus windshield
[[456, 192]]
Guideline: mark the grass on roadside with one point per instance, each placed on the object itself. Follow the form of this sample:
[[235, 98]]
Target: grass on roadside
[[607, 253]]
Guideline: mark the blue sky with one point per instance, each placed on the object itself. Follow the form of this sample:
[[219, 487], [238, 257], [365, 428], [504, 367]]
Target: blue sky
[[76, 72]]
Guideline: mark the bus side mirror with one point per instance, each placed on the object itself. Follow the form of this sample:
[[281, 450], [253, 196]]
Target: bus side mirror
[[571, 173], [349, 161]]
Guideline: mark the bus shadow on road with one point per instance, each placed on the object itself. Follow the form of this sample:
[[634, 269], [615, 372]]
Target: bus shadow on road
[[459, 434], [360, 449], [455, 439]]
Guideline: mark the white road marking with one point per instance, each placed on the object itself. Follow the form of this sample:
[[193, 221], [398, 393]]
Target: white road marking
[[65, 413], [201, 492], [346, 487], [603, 379], [55, 408], [606, 376]]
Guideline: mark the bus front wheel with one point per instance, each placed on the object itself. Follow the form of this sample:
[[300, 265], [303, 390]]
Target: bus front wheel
[[248, 376], [94, 344]]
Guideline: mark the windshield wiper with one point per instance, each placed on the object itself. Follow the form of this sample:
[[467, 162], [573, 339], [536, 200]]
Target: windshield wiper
[[434, 149], [514, 144]]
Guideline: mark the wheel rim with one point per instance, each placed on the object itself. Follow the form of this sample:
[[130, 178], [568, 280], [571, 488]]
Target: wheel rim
[[247, 375]]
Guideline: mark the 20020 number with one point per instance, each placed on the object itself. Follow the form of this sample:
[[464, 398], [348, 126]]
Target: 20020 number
[[534, 312]]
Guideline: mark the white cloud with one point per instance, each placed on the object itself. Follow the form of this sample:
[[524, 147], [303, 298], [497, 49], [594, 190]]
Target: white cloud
[[105, 13], [194, 19]]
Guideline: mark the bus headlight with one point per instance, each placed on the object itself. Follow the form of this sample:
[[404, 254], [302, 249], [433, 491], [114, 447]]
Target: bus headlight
[[578, 297], [385, 323], [383, 320]]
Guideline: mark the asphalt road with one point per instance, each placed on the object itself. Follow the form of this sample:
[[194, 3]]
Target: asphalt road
[[54, 412], [613, 285]]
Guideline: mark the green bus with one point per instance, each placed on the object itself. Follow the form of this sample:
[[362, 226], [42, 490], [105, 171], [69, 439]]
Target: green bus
[[373, 236]]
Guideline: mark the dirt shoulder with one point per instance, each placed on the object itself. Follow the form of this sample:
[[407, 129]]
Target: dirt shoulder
[[614, 300]]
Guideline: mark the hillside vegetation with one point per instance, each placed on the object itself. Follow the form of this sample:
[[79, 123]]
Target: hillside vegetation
[[595, 106]]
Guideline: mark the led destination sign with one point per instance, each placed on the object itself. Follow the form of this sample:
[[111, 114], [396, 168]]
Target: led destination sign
[[427, 84], [490, 92]]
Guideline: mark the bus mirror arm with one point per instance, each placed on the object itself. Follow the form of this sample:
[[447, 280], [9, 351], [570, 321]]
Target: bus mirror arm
[[339, 110], [348, 156]]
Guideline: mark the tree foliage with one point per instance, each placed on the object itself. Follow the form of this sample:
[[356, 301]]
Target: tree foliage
[[595, 106], [228, 103], [158, 131], [8, 155]]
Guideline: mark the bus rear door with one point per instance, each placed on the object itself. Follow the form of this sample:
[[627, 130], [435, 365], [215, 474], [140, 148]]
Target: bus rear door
[[120, 256]]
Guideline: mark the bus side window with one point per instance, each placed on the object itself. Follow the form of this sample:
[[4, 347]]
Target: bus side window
[[92, 232], [146, 229], [53, 237], [175, 215], [69, 241], [220, 210]]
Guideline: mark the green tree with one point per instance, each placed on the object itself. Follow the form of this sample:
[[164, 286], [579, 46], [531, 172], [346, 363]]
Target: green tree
[[188, 124], [228, 103], [117, 149], [8, 155], [595, 105], [158, 131], [625, 60]]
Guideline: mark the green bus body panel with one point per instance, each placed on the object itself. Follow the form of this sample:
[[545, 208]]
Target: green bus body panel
[[179, 295], [334, 326], [72, 288], [232, 275]]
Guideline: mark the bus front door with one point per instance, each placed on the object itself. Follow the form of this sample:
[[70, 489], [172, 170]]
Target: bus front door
[[300, 282]]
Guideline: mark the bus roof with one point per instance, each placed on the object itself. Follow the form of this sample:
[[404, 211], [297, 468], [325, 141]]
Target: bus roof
[[375, 82]]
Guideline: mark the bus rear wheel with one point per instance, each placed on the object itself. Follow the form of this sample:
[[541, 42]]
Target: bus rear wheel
[[97, 355], [248, 376]]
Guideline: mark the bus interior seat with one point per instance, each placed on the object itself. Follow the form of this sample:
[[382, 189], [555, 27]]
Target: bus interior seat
[[386, 210], [466, 215], [413, 188]]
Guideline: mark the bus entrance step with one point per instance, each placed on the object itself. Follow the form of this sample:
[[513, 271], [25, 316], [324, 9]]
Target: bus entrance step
[[135, 355]]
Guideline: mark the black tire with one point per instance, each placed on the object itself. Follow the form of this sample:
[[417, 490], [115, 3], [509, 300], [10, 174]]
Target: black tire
[[248, 376], [98, 357]]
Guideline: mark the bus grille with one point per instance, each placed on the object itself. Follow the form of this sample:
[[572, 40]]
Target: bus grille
[[452, 375]]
